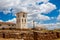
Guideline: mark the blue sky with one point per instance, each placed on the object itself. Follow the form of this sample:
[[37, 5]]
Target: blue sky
[[42, 12]]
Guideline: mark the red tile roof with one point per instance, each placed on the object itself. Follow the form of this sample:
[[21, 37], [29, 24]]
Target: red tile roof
[[6, 23]]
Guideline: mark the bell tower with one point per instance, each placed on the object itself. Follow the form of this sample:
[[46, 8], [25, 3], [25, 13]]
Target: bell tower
[[21, 20]]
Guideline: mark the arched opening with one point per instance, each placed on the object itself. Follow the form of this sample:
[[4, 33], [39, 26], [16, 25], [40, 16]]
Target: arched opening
[[3, 28], [57, 34], [3, 35], [10, 28], [23, 15]]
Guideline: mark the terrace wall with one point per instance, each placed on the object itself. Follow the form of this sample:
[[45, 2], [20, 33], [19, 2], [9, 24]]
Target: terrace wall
[[30, 35]]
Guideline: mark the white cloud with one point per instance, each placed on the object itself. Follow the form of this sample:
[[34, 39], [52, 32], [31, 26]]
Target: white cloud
[[1, 20], [8, 4], [59, 11], [38, 17], [29, 24], [58, 18], [12, 20], [48, 7], [43, 17], [49, 26], [6, 11], [28, 5], [35, 11]]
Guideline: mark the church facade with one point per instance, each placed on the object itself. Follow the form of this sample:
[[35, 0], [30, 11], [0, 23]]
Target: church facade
[[21, 22]]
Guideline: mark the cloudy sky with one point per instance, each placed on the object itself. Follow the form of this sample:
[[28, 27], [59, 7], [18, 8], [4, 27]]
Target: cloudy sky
[[46, 12]]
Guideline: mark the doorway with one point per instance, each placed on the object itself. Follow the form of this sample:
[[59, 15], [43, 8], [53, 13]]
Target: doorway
[[3, 35]]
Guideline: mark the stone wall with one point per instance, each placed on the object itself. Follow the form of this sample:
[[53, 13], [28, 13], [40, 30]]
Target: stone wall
[[46, 36], [30, 35], [41, 36]]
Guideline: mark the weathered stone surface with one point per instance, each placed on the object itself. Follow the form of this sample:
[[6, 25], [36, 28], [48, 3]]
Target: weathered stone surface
[[26, 35]]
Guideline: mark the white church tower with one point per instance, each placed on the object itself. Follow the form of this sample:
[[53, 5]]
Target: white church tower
[[21, 20]]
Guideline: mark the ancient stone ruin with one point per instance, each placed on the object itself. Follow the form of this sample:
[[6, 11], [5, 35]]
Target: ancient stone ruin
[[29, 34]]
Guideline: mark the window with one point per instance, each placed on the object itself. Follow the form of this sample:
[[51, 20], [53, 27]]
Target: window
[[25, 20], [22, 20], [23, 15], [0, 24], [10, 28], [45, 33], [8, 25], [3, 28], [12, 25], [3, 35]]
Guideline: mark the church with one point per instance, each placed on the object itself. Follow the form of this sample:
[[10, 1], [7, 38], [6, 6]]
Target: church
[[21, 22]]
